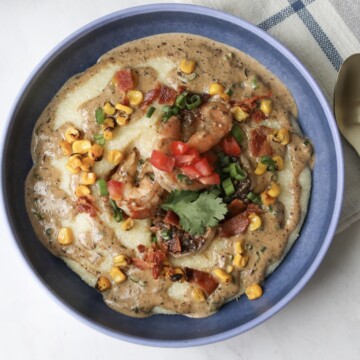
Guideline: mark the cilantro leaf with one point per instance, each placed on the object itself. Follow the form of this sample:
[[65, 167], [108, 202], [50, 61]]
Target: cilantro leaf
[[196, 211]]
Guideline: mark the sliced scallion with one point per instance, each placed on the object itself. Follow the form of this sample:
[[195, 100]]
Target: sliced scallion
[[228, 187], [237, 133], [102, 186], [117, 212], [229, 92], [192, 102], [150, 111], [236, 172], [254, 83], [267, 160], [166, 235], [254, 198], [99, 115], [181, 100]]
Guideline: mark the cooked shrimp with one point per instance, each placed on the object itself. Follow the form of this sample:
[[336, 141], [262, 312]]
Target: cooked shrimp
[[211, 126], [141, 193]]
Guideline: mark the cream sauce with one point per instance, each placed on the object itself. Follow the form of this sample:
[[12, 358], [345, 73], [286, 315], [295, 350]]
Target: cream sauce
[[50, 196]]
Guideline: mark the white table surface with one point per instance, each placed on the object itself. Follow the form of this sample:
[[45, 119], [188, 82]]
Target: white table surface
[[322, 322]]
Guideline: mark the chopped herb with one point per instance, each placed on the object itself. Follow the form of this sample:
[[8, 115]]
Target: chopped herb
[[166, 234], [150, 111], [137, 281], [99, 138], [254, 198], [102, 186], [196, 211], [99, 115], [254, 83], [48, 232], [229, 92], [184, 178], [153, 238], [38, 215], [118, 215]]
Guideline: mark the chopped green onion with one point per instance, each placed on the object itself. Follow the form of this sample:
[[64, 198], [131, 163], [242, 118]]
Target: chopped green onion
[[118, 215], [99, 138], [184, 178], [168, 112], [150, 111], [226, 169], [267, 160], [229, 92], [99, 115], [236, 172], [254, 198], [102, 186], [166, 235], [181, 100], [228, 187], [224, 161], [254, 83], [153, 238], [152, 177], [237, 133], [193, 102]]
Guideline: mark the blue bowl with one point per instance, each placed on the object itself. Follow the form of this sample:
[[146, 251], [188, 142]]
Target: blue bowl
[[81, 50]]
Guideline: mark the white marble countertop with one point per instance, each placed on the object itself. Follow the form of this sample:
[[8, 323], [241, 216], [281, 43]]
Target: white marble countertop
[[322, 322]]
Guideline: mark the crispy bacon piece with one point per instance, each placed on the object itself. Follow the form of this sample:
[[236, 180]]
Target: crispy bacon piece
[[124, 79], [84, 204], [167, 95], [171, 218], [250, 101], [174, 245], [153, 259], [259, 145], [257, 115], [151, 95], [141, 248], [236, 207], [236, 225], [201, 278]]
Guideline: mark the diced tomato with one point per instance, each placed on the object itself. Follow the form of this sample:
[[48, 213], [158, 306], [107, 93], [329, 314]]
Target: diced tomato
[[124, 80], [115, 189], [195, 152], [179, 148], [167, 95], [230, 146], [213, 179], [190, 171], [181, 160], [204, 168], [171, 218], [162, 161]]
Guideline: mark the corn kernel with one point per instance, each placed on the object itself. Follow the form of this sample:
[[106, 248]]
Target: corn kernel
[[65, 236], [274, 190], [88, 178], [86, 164], [128, 224], [239, 247], [108, 134], [260, 168], [266, 199], [255, 222], [281, 136], [120, 260], [74, 161], [253, 291], [109, 109], [229, 269], [102, 284], [117, 275], [187, 66], [266, 106], [240, 261], [82, 190], [225, 97], [135, 97], [96, 152], [65, 147], [114, 157], [279, 162], [71, 134], [198, 295], [122, 119], [222, 275], [72, 170], [216, 89], [239, 114], [81, 146], [108, 123], [126, 109]]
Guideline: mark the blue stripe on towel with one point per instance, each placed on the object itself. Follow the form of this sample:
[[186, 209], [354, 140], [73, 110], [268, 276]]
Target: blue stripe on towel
[[299, 7]]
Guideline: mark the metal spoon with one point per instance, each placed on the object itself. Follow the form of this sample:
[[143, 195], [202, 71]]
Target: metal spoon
[[347, 100]]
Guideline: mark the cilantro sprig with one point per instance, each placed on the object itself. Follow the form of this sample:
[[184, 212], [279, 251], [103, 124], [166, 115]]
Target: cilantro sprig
[[197, 211]]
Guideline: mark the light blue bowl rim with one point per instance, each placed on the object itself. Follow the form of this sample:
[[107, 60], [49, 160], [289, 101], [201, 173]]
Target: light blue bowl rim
[[328, 113]]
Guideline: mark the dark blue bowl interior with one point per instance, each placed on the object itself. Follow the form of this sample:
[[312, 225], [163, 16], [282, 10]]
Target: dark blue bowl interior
[[82, 50]]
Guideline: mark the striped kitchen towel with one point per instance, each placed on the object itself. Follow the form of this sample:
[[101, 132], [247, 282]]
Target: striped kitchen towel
[[318, 32]]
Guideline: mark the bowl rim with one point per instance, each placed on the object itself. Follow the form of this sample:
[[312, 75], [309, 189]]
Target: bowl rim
[[194, 9]]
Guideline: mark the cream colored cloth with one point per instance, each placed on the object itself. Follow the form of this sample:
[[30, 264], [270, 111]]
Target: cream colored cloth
[[321, 33]]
